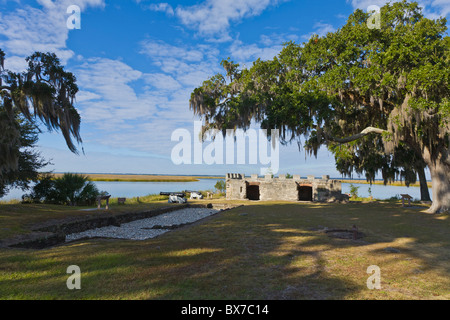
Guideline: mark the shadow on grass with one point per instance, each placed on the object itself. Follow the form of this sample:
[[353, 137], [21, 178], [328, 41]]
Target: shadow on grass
[[260, 251]]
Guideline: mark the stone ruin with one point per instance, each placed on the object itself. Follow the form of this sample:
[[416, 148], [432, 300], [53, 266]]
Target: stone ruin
[[296, 188]]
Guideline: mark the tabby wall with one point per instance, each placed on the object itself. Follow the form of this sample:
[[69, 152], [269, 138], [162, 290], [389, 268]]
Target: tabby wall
[[281, 188]]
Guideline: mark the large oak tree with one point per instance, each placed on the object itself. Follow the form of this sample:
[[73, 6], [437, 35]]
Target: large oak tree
[[354, 85], [44, 93]]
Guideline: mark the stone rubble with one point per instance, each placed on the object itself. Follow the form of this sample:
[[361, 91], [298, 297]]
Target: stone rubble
[[142, 229]]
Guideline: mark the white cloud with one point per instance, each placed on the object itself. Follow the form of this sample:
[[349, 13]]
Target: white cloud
[[120, 116], [321, 29], [245, 53], [161, 7], [188, 66], [83, 96], [214, 17], [108, 161], [162, 81], [108, 82], [29, 29], [15, 63], [162, 49], [267, 48], [364, 4], [437, 8], [276, 39]]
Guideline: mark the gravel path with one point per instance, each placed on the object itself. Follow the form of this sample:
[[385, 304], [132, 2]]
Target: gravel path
[[142, 229]]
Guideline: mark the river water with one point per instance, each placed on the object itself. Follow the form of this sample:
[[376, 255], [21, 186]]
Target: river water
[[135, 189], [382, 191]]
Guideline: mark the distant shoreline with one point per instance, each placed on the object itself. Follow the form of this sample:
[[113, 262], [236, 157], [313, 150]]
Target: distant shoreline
[[113, 177], [140, 177], [380, 182]]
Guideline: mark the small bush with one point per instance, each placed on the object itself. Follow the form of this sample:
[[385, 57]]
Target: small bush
[[354, 191], [220, 186], [70, 189]]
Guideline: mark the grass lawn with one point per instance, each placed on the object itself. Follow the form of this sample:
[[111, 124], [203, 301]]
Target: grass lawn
[[260, 251], [19, 219]]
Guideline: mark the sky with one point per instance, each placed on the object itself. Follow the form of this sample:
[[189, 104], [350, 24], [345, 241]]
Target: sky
[[137, 62]]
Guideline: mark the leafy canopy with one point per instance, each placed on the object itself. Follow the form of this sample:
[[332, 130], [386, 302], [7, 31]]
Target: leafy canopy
[[45, 91], [352, 83]]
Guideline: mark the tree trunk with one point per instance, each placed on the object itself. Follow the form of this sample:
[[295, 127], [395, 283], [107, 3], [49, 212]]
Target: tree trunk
[[424, 192], [440, 177]]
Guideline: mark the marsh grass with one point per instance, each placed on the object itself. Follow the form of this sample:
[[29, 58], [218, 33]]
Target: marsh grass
[[140, 178], [393, 183]]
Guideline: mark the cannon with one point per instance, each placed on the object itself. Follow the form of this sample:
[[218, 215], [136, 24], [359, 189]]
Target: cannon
[[195, 194], [175, 197]]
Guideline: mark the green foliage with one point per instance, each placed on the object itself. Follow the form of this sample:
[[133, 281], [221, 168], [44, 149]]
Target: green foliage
[[45, 92], [330, 89], [42, 191], [220, 186], [354, 191], [367, 156], [29, 161], [289, 176], [70, 189]]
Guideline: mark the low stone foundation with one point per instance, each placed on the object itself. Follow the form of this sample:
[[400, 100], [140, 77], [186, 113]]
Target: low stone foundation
[[54, 233]]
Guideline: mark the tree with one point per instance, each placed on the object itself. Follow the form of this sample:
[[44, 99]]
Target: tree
[[45, 91], [70, 189], [29, 160], [354, 191], [355, 83], [73, 189], [42, 191], [220, 186]]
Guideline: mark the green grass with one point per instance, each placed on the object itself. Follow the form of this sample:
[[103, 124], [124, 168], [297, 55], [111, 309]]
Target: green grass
[[264, 250], [19, 219]]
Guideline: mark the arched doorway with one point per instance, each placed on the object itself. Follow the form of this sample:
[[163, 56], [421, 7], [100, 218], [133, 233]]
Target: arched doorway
[[253, 191], [305, 192]]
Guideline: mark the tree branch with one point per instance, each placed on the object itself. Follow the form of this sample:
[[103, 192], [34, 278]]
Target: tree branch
[[357, 136]]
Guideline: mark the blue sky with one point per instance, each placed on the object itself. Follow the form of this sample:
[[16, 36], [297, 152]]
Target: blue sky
[[137, 62]]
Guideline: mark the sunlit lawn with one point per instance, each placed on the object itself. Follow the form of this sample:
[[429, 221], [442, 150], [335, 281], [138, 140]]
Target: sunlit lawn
[[259, 251], [17, 219]]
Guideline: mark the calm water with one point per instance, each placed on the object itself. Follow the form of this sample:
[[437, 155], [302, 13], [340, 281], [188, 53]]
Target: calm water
[[138, 189], [135, 189], [384, 192]]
